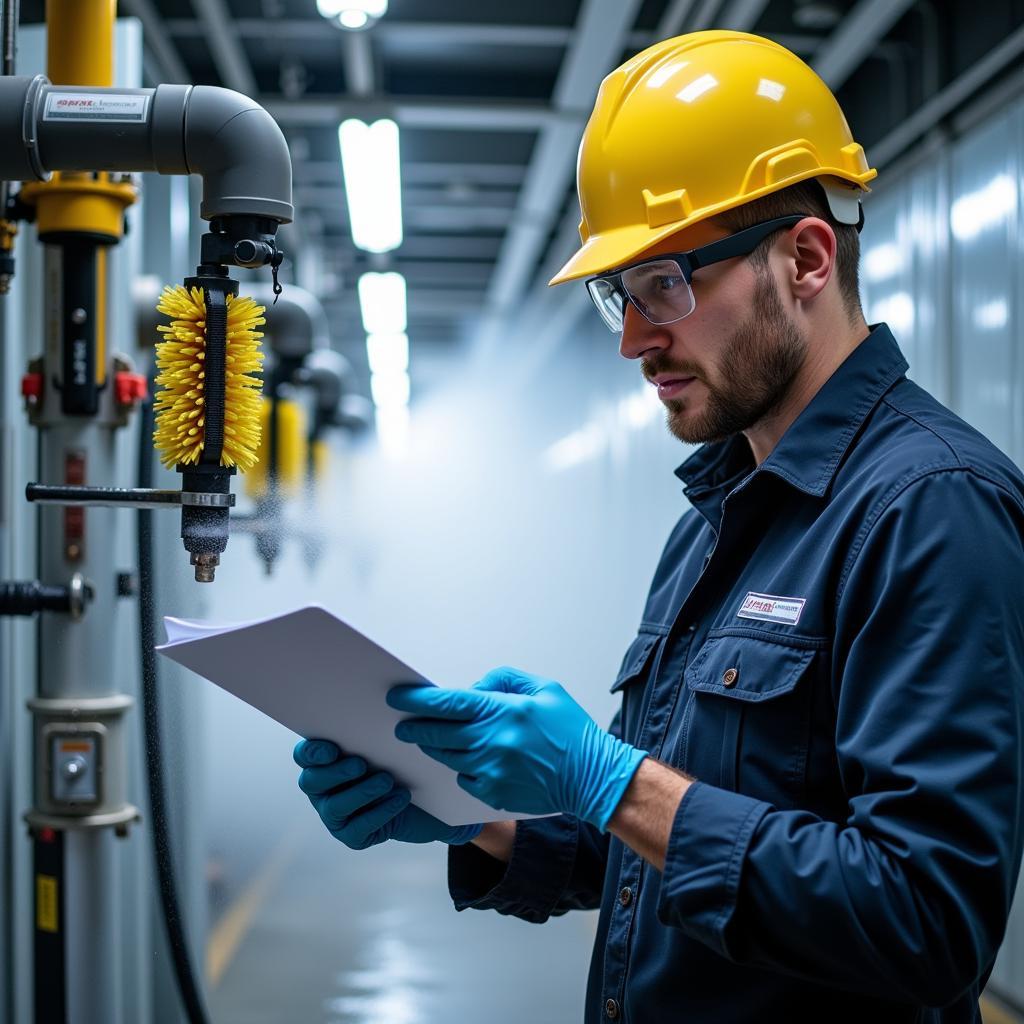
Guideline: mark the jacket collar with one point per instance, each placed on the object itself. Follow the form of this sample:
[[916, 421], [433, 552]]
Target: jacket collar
[[810, 451]]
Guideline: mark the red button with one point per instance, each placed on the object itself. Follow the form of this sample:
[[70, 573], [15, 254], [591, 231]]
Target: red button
[[129, 387], [32, 385]]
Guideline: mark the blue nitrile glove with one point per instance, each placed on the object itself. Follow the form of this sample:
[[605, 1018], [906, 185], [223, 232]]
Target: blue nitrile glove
[[362, 808], [520, 743]]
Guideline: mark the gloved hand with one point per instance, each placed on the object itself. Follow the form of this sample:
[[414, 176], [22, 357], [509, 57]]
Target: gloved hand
[[362, 808], [520, 743]]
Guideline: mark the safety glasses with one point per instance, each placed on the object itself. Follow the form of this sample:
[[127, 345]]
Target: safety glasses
[[660, 287]]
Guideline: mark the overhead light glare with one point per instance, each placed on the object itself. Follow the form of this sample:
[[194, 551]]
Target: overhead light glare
[[388, 353], [393, 430], [389, 389], [373, 183], [353, 19], [382, 302], [352, 14]]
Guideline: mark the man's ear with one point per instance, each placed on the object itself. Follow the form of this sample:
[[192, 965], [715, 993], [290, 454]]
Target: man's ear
[[810, 255]]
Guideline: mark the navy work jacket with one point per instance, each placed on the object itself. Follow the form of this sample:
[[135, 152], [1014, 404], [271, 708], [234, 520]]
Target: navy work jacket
[[833, 646]]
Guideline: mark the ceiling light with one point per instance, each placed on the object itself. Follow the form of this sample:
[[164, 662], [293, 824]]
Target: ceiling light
[[389, 353], [373, 183], [389, 389], [382, 302], [352, 14]]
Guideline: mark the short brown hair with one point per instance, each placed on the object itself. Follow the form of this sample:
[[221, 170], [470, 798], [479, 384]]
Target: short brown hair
[[804, 197]]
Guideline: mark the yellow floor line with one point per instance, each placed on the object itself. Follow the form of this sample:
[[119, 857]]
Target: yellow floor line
[[229, 931], [993, 1013]]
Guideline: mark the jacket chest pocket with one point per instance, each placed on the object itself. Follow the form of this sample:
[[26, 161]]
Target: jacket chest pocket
[[634, 675], [748, 723]]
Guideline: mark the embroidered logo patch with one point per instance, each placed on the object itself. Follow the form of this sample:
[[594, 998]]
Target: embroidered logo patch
[[772, 609]]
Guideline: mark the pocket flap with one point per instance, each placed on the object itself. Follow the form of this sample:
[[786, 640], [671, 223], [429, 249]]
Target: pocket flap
[[635, 661], [746, 668]]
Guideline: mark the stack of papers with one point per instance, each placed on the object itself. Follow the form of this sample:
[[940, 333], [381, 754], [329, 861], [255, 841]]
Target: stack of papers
[[322, 679]]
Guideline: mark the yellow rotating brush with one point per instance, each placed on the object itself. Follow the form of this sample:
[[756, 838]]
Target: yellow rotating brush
[[179, 405]]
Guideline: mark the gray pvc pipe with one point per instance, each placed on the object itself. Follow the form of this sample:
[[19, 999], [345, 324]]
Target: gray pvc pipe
[[228, 139]]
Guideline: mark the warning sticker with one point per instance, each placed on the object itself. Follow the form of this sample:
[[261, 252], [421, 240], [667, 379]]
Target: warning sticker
[[46, 903], [96, 106]]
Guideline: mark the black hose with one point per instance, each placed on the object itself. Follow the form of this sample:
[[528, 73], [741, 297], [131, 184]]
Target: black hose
[[188, 986], [10, 36]]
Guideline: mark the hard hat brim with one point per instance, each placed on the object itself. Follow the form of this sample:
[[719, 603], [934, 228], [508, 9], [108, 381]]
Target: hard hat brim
[[610, 250]]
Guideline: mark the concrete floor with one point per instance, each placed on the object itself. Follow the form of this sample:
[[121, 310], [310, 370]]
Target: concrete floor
[[333, 936]]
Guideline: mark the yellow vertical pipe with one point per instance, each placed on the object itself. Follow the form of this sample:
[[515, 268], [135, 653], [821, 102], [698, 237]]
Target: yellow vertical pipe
[[80, 42]]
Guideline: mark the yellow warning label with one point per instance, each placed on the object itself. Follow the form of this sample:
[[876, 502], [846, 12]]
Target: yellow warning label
[[46, 903]]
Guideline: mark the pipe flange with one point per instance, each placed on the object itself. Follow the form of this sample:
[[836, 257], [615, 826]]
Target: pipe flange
[[118, 820], [29, 126], [72, 708]]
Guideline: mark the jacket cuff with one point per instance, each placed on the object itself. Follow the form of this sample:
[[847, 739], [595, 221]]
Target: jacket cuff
[[530, 885], [704, 862]]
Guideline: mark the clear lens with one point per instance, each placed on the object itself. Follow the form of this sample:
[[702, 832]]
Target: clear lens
[[610, 301], [659, 290]]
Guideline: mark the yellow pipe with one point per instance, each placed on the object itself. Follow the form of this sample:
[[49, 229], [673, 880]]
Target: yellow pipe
[[80, 41]]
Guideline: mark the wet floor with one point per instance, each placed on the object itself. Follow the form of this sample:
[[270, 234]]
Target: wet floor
[[371, 937]]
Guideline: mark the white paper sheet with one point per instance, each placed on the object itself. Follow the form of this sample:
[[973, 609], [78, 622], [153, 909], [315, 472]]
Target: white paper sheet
[[321, 678]]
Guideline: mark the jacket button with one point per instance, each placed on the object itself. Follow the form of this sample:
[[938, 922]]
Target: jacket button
[[611, 1009], [626, 896], [730, 676]]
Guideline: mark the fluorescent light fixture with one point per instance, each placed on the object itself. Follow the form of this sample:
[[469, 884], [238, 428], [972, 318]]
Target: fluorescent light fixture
[[373, 183], [388, 353], [354, 14], [389, 389], [382, 302], [393, 435]]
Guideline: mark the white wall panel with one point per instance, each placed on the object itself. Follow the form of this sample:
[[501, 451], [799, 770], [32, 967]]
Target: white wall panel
[[983, 214]]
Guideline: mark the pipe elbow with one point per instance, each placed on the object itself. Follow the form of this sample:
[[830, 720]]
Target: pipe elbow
[[241, 154]]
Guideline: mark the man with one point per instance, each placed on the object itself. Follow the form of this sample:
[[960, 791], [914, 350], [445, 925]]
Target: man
[[809, 806]]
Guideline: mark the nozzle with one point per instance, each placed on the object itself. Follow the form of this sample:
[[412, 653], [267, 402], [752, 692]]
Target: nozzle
[[206, 566]]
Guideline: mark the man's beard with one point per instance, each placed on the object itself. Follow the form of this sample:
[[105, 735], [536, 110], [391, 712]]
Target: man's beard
[[755, 373]]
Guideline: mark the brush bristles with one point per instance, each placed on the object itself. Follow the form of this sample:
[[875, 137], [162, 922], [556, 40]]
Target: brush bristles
[[179, 405]]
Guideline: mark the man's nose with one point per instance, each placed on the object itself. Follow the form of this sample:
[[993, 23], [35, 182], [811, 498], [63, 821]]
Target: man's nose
[[640, 336]]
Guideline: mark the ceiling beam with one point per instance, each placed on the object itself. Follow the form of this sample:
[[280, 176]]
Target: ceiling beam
[[742, 15], [422, 33], [416, 173], [417, 112], [403, 33], [157, 40], [673, 20], [704, 16], [228, 53], [1008, 53], [855, 37], [598, 42]]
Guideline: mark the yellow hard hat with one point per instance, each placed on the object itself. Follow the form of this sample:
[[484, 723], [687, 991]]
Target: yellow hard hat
[[699, 124]]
